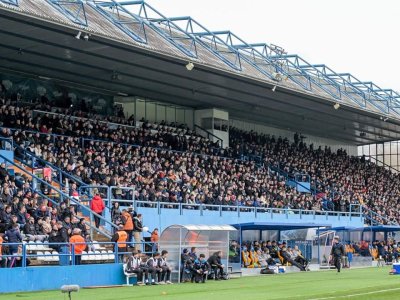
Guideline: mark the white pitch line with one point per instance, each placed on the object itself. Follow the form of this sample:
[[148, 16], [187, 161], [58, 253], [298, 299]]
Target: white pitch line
[[355, 295]]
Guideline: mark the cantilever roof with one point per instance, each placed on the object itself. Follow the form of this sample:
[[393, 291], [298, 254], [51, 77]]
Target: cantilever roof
[[38, 39]]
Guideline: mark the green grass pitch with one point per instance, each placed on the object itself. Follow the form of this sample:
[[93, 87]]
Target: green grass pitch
[[367, 283]]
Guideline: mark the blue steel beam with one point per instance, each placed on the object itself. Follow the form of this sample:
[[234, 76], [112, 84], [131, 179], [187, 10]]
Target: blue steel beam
[[74, 10], [311, 73], [122, 18], [11, 2], [212, 41], [164, 26], [258, 53], [370, 94]]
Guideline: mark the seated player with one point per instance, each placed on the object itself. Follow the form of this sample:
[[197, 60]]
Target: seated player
[[133, 266], [298, 256], [166, 269], [287, 258], [200, 269], [154, 269], [216, 265], [255, 262], [246, 260]]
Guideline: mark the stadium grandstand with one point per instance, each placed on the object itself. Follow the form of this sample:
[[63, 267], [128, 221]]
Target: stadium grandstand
[[116, 118]]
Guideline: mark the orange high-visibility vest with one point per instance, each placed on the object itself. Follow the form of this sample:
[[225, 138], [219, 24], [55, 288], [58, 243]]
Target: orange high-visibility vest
[[122, 238], [79, 243]]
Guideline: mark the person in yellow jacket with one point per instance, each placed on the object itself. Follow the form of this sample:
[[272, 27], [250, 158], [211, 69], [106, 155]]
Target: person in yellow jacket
[[246, 260], [254, 258], [120, 237]]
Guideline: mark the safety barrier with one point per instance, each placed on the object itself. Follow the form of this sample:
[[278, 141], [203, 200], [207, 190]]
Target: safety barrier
[[30, 254]]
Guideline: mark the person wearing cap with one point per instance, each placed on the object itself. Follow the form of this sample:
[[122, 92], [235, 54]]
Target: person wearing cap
[[120, 237], [337, 252]]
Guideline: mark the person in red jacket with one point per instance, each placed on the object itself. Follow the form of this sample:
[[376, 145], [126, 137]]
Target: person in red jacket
[[97, 205]]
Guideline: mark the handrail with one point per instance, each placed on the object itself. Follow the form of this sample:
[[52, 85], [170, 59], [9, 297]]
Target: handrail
[[182, 206], [8, 140], [46, 163], [67, 250], [373, 213], [292, 178], [62, 195], [210, 134], [383, 163]]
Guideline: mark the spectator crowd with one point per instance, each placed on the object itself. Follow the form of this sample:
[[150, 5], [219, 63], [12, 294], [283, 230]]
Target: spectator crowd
[[172, 164]]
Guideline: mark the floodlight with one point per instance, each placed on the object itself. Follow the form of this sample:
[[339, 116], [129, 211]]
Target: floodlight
[[190, 66], [336, 106], [78, 36], [274, 88]]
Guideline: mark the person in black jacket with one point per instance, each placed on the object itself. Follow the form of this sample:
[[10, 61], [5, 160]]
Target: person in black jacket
[[216, 265], [337, 252], [137, 230], [287, 258], [13, 236], [200, 269], [31, 231], [186, 265]]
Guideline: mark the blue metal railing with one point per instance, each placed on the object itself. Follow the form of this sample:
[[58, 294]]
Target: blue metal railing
[[64, 253], [239, 209], [11, 2], [64, 196], [32, 164]]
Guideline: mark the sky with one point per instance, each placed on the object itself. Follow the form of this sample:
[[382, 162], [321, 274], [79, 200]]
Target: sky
[[360, 37]]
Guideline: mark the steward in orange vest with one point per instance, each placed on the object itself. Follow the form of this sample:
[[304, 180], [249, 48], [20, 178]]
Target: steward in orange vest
[[120, 237], [79, 244]]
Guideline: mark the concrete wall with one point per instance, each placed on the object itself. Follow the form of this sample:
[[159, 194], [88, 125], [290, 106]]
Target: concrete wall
[[213, 113], [53, 277]]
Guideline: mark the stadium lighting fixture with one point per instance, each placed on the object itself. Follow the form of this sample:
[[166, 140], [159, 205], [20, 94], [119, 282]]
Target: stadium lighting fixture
[[78, 36], [190, 66], [86, 37], [274, 88], [336, 106], [385, 119]]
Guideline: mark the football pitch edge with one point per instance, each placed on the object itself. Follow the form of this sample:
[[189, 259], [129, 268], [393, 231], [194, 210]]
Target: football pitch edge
[[368, 283]]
